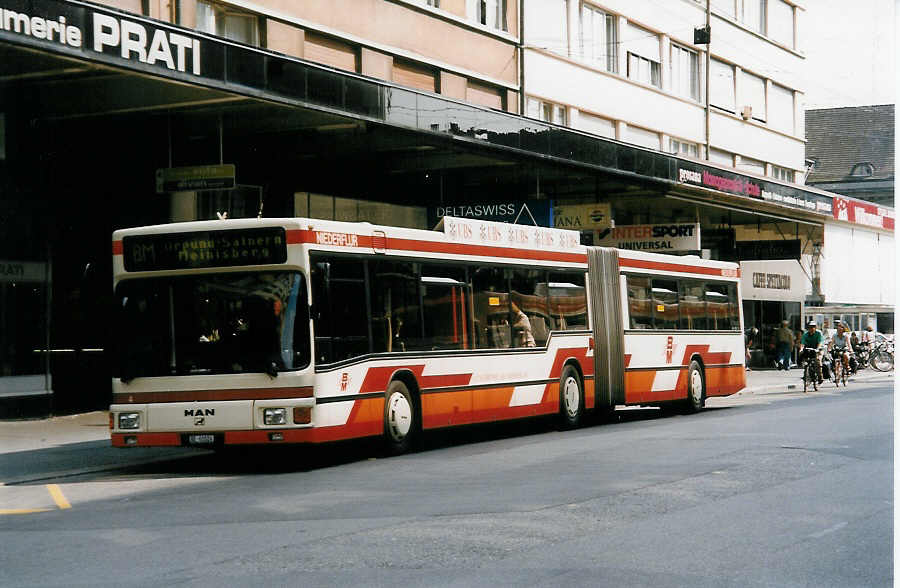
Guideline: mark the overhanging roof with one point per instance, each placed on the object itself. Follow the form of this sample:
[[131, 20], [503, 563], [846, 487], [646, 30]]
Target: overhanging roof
[[102, 61]]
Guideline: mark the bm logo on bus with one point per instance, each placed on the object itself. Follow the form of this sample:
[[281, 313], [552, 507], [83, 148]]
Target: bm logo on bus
[[199, 415], [345, 381], [669, 347]]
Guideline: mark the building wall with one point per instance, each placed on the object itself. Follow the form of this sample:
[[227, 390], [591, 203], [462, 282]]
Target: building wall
[[405, 42], [558, 73], [858, 266]]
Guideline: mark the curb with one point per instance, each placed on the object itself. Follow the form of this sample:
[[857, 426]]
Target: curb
[[787, 388]]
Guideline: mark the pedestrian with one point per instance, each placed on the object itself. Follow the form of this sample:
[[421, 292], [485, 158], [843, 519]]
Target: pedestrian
[[784, 339], [521, 327]]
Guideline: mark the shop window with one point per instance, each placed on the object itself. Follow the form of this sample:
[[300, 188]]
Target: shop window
[[228, 22], [782, 173], [599, 38]]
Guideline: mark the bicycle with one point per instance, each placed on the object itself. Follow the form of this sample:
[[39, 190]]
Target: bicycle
[[810, 372], [839, 371]]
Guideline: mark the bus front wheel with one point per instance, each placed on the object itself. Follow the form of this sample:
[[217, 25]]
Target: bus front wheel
[[571, 398], [696, 388], [401, 426]]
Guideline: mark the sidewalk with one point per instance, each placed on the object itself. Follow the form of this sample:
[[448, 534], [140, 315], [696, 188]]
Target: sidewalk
[[772, 381]]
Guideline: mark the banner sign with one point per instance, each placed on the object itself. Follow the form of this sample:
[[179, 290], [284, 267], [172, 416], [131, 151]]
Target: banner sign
[[863, 213], [768, 249], [195, 178], [780, 279], [477, 232], [659, 238], [22, 271], [582, 217], [522, 212], [110, 36], [754, 188]]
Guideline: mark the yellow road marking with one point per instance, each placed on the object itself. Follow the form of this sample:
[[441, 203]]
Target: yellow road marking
[[14, 511], [58, 497]]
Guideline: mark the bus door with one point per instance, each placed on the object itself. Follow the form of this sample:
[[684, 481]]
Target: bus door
[[606, 320]]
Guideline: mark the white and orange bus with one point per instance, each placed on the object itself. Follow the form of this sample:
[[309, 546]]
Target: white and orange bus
[[271, 331]]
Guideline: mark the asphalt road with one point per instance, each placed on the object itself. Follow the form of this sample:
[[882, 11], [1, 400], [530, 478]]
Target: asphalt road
[[793, 492]]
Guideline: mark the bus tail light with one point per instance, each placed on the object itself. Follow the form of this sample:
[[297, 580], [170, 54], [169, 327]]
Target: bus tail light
[[302, 415]]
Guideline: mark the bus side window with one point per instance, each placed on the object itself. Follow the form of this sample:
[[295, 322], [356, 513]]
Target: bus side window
[[526, 293], [693, 306], [396, 324], [340, 323], [568, 301], [639, 302], [490, 289], [665, 303], [445, 307]]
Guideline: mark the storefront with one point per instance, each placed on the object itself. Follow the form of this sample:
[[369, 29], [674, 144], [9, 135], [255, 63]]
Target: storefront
[[773, 291]]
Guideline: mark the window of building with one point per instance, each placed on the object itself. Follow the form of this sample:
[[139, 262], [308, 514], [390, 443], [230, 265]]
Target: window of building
[[724, 6], [228, 22], [781, 109], [753, 15], [721, 157], [599, 38], [642, 48], [643, 137], [414, 75], [546, 111], [680, 147], [329, 51], [753, 94], [484, 95], [685, 67], [721, 85], [490, 13], [643, 70], [781, 22], [782, 173], [752, 165], [596, 125], [546, 25]]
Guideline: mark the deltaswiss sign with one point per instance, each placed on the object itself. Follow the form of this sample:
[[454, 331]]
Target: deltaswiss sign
[[107, 35]]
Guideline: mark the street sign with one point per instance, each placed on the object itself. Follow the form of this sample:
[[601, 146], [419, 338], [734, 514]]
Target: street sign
[[195, 178]]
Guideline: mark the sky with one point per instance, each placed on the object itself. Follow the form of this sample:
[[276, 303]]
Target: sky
[[855, 63]]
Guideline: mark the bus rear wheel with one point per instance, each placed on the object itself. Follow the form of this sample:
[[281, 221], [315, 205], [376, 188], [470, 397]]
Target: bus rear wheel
[[401, 419], [571, 398]]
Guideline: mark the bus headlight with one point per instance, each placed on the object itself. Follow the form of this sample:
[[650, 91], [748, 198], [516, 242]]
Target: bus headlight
[[129, 420], [275, 416]]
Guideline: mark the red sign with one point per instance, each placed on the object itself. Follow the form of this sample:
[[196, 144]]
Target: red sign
[[863, 213]]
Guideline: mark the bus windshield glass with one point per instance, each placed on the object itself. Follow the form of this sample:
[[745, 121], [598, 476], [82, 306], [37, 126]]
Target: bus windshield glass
[[242, 322]]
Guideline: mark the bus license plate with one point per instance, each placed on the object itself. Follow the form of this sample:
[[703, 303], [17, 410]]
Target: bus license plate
[[201, 439]]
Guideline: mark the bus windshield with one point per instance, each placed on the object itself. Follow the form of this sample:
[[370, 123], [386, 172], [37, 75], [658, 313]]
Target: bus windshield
[[242, 322]]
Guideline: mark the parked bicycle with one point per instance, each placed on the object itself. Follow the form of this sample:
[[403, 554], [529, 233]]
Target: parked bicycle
[[881, 356]]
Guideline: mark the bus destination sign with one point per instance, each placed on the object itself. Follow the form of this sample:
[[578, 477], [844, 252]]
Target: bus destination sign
[[202, 249]]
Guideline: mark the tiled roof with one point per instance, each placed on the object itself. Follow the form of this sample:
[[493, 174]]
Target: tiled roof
[[840, 138]]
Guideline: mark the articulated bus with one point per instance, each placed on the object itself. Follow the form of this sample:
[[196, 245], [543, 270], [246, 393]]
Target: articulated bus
[[278, 331]]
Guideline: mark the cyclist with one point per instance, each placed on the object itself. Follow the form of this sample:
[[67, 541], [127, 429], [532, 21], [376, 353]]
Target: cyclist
[[813, 341], [840, 344]]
